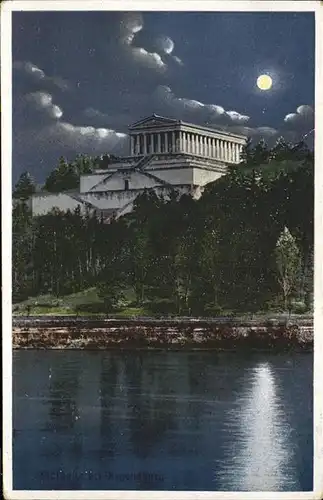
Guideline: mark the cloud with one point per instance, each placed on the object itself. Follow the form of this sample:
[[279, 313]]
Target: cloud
[[38, 75], [130, 25], [96, 117], [178, 60], [149, 59], [43, 101], [84, 138], [302, 118], [145, 48], [256, 133], [191, 109], [55, 134], [164, 44], [237, 117]]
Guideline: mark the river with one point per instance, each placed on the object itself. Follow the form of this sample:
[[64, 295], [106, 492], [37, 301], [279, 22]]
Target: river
[[162, 420]]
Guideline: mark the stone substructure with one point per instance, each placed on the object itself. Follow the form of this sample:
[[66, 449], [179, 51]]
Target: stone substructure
[[69, 333]]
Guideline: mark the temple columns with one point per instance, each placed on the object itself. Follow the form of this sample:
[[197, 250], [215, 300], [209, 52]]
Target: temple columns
[[214, 153], [186, 142], [166, 142], [173, 147], [137, 145], [236, 153], [226, 150], [193, 143], [239, 152]]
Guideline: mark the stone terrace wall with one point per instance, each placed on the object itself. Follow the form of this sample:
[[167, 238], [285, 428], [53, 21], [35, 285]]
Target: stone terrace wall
[[101, 334]]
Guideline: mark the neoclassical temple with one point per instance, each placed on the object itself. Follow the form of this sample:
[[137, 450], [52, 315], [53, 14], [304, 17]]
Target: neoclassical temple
[[165, 155], [163, 135]]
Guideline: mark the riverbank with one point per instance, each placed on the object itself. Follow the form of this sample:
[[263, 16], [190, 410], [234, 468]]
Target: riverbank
[[225, 333]]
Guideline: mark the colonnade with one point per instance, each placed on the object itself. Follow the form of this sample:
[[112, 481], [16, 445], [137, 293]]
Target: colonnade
[[185, 142]]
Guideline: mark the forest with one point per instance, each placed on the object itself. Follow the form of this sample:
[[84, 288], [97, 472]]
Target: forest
[[245, 246]]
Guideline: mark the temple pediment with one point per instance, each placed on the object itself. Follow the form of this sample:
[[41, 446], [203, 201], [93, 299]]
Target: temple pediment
[[152, 121]]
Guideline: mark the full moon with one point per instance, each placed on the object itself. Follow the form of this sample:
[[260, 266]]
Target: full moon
[[264, 82]]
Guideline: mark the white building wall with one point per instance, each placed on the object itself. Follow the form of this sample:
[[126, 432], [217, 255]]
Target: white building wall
[[110, 200], [116, 182], [202, 177], [118, 199], [88, 181], [44, 204], [175, 176]]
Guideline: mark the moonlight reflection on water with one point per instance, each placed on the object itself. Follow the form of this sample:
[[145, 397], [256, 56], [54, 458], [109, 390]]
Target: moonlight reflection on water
[[265, 458]]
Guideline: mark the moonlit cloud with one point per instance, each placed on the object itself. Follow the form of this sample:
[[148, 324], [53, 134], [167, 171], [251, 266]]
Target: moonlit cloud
[[130, 25], [85, 138], [29, 68], [256, 133], [150, 59], [177, 60], [304, 116], [197, 110], [44, 101], [165, 44], [146, 49], [34, 72], [237, 117], [214, 108], [49, 133], [76, 139], [113, 120]]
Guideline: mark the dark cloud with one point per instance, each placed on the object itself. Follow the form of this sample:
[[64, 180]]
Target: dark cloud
[[43, 101], [302, 118], [197, 111], [36, 74]]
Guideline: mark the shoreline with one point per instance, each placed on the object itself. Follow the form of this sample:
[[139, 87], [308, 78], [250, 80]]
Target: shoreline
[[176, 333]]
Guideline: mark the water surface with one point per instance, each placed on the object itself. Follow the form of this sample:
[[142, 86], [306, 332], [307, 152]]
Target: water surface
[[163, 420]]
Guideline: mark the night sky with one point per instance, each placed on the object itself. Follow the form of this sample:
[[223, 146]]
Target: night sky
[[80, 78]]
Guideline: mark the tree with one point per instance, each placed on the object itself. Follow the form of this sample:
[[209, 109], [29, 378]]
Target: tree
[[247, 153], [301, 151], [260, 153], [23, 266], [288, 264], [281, 150], [64, 177], [110, 288], [25, 187]]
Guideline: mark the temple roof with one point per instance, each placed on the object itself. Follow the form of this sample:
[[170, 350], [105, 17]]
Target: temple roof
[[157, 121], [153, 120]]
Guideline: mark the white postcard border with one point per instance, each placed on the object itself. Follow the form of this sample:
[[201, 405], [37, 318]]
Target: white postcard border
[[7, 7]]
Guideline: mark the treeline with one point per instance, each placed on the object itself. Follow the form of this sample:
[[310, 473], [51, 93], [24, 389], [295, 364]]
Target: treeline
[[245, 245], [65, 176]]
